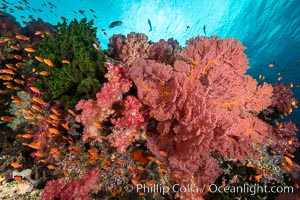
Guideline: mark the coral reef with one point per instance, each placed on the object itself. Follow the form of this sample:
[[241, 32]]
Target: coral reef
[[147, 113]]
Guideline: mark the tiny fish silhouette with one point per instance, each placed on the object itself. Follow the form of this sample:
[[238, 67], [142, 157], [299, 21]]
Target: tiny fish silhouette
[[149, 22], [115, 23], [204, 29]]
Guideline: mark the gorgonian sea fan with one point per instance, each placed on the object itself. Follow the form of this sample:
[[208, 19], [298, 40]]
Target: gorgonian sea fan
[[204, 102]]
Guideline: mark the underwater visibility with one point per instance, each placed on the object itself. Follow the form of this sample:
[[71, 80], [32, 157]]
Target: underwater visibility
[[149, 100]]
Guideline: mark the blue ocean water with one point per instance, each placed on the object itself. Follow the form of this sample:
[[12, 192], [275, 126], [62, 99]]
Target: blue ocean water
[[268, 28]]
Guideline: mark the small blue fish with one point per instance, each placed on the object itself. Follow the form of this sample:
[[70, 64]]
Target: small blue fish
[[149, 22], [115, 23], [204, 29]]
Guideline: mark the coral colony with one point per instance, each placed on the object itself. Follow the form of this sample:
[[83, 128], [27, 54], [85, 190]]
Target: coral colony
[[141, 120]]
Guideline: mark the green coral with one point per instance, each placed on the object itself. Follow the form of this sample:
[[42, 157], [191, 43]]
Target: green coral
[[82, 78]]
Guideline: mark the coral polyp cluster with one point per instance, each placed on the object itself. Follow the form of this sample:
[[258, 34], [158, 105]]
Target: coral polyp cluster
[[93, 124]]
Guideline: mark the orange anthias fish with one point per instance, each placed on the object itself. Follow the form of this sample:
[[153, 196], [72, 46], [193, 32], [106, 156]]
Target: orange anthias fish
[[66, 125], [54, 117], [48, 62], [163, 153], [55, 111], [29, 49], [6, 118], [39, 100], [43, 73], [38, 154], [72, 112], [18, 57], [66, 62], [134, 181], [14, 47], [7, 71], [27, 135], [16, 165], [37, 33], [5, 40], [51, 167], [98, 125], [40, 59], [37, 108], [20, 64], [35, 90], [21, 82], [54, 151], [22, 37], [139, 156], [6, 77], [19, 179], [271, 64], [10, 66], [33, 145], [54, 131], [162, 170]]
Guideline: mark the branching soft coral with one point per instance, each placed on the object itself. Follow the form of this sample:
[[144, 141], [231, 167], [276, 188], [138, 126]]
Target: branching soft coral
[[99, 110], [131, 120], [205, 102]]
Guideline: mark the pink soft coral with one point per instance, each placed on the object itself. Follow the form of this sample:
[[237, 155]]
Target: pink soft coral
[[129, 118], [102, 108], [132, 117], [126, 127]]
